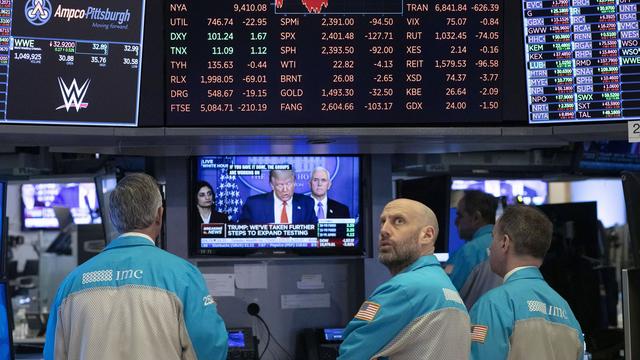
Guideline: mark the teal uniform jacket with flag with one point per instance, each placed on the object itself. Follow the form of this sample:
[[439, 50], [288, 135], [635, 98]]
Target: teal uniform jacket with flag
[[135, 301], [417, 314], [523, 317]]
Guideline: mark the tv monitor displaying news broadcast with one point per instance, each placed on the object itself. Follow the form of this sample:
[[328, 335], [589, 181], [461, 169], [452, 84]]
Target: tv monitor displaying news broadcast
[[40, 199], [252, 220]]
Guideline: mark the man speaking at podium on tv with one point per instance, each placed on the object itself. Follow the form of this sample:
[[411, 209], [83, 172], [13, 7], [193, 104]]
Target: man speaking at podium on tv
[[280, 206]]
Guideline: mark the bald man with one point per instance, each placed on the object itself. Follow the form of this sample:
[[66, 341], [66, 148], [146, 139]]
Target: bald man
[[418, 313]]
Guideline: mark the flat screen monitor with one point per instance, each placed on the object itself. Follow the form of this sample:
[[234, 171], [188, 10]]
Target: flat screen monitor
[[105, 184], [334, 62], [575, 228], [516, 191], [82, 58], [250, 218], [608, 157], [6, 336], [40, 200], [631, 313], [581, 60]]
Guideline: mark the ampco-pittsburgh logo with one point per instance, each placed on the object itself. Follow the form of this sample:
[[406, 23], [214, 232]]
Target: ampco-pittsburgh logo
[[38, 12], [73, 95]]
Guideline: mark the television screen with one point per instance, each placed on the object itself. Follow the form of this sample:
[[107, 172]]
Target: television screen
[[39, 201], [529, 192], [609, 157], [273, 205], [82, 58]]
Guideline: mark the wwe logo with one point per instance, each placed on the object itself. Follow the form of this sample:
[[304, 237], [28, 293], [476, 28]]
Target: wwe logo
[[72, 95]]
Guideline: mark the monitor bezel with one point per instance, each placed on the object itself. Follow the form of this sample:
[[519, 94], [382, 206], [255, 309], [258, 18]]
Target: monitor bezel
[[364, 197]]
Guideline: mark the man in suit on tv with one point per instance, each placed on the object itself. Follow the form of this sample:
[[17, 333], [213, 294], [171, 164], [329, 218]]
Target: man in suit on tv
[[325, 207], [281, 205]]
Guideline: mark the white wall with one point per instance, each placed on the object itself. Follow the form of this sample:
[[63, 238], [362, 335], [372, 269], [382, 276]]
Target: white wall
[[609, 196]]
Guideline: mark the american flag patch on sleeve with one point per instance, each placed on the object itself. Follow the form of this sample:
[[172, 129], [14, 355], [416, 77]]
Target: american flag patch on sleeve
[[479, 333], [367, 311]]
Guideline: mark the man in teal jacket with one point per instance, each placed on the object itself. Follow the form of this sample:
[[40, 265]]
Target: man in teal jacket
[[468, 267], [134, 300], [524, 316], [417, 314]]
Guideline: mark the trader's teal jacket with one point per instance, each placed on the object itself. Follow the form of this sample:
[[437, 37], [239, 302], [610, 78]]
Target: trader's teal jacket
[[135, 301], [523, 319], [417, 314]]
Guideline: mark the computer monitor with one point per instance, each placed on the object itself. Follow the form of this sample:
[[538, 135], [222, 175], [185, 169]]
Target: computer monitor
[[631, 313], [6, 341], [40, 199], [241, 344], [631, 187]]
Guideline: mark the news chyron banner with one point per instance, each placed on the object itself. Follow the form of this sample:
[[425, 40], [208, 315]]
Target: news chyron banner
[[75, 62]]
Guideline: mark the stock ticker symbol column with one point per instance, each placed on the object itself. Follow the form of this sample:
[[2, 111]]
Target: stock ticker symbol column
[[549, 60], [178, 63], [5, 31]]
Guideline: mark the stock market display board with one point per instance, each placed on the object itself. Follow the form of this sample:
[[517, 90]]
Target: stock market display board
[[70, 62], [333, 62], [582, 59]]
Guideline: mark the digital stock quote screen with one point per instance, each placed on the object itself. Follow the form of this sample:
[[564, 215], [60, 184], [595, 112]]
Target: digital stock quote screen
[[582, 60], [70, 62], [333, 62]]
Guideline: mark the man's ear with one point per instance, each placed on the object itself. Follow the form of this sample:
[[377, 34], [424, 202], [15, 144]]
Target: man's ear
[[506, 242], [159, 215], [477, 217], [427, 235]]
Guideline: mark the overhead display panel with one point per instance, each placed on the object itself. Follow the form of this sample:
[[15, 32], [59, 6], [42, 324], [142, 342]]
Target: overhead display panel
[[582, 60], [333, 62], [72, 62]]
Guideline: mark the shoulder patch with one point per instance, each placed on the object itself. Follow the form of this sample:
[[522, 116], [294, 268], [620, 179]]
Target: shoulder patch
[[208, 300], [452, 295], [368, 311], [479, 333], [97, 276]]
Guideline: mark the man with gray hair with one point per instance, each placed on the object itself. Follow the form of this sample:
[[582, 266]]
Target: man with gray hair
[[134, 300], [280, 206], [523, 316], [325, 207]]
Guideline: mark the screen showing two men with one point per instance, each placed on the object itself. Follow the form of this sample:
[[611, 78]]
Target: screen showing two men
[[39, 201], [275, 202]]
